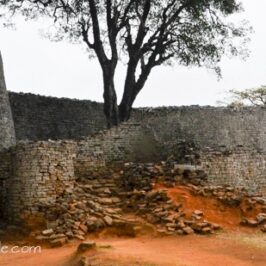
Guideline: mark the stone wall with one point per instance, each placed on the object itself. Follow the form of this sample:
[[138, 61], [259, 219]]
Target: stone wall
[[239, 168], [42, 118], [34, 174], [5, 172], [216, 127], [230, 144], [40, 172], [7, 132], [128, 142]]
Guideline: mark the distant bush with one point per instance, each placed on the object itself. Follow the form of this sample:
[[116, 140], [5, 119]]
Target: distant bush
[[256, 96]]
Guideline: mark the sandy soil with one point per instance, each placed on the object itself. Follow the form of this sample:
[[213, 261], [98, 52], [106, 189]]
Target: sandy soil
[[222, 249]]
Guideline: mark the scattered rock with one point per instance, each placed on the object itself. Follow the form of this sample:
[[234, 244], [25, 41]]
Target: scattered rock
[[98, 200], [263, 229], [83, 228], [206, 230], [108, 220], [249, 222], [261, 218], [84, 261], [47, 232], [80, 237], [59, 242], [188, 230], [85, 246]]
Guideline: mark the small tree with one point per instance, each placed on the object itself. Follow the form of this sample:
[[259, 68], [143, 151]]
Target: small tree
[[255, 96], [147, 33]]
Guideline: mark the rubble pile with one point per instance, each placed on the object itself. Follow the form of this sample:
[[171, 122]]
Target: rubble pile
[[104, 196], [259, 218], [92, 205], [250, 204], [157, 208], [154, 205], [141, 176], [226, 194]]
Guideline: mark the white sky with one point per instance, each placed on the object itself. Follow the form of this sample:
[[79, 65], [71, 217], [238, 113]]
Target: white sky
[[33, 64]]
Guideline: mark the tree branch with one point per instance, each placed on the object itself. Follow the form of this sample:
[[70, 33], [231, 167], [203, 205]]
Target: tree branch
[[96, 34], [112, 31], [84, 31]]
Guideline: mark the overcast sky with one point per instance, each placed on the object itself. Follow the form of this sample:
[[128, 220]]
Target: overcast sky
[[34, 64]]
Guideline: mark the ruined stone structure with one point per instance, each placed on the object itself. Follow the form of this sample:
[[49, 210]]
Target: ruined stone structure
[[7, 133], [229, 143], [62, 139], [33, 174], [42, 118]]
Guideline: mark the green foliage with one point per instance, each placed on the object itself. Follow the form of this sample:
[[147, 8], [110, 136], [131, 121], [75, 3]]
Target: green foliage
[[188, 32], [144, 34]]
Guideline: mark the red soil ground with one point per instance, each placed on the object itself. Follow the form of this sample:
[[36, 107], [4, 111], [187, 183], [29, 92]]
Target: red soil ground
[[146, 251], [223, 249], [227, 217]]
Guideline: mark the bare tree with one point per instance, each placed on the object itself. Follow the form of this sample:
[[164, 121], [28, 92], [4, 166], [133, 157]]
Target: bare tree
[[147, 33]]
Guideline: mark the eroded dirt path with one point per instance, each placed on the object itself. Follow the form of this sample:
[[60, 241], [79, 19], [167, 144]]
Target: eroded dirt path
[[223, 249]]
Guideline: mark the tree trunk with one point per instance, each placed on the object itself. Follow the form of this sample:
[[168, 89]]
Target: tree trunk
[[110, 99], [131, 90], [114, 114], [129, 95], [125, 106]]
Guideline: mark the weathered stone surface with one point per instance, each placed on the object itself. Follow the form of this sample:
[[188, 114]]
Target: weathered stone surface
[[58, 242], [73, 119], [250, 222], [84, 246], [263, 229], [73, 207], [39, 173], [84, 261], [261, 217], [79, 237], [47, 232], [108, 220], [188, 230], [7, 132], [198, 212], [229, 154]]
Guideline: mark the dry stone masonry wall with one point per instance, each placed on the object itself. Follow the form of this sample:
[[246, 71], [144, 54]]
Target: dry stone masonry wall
[[37, 174], [128, 142], [5, 172], [239, 169], [34, 174], [42, 118], [229, 144], [219, 128]]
